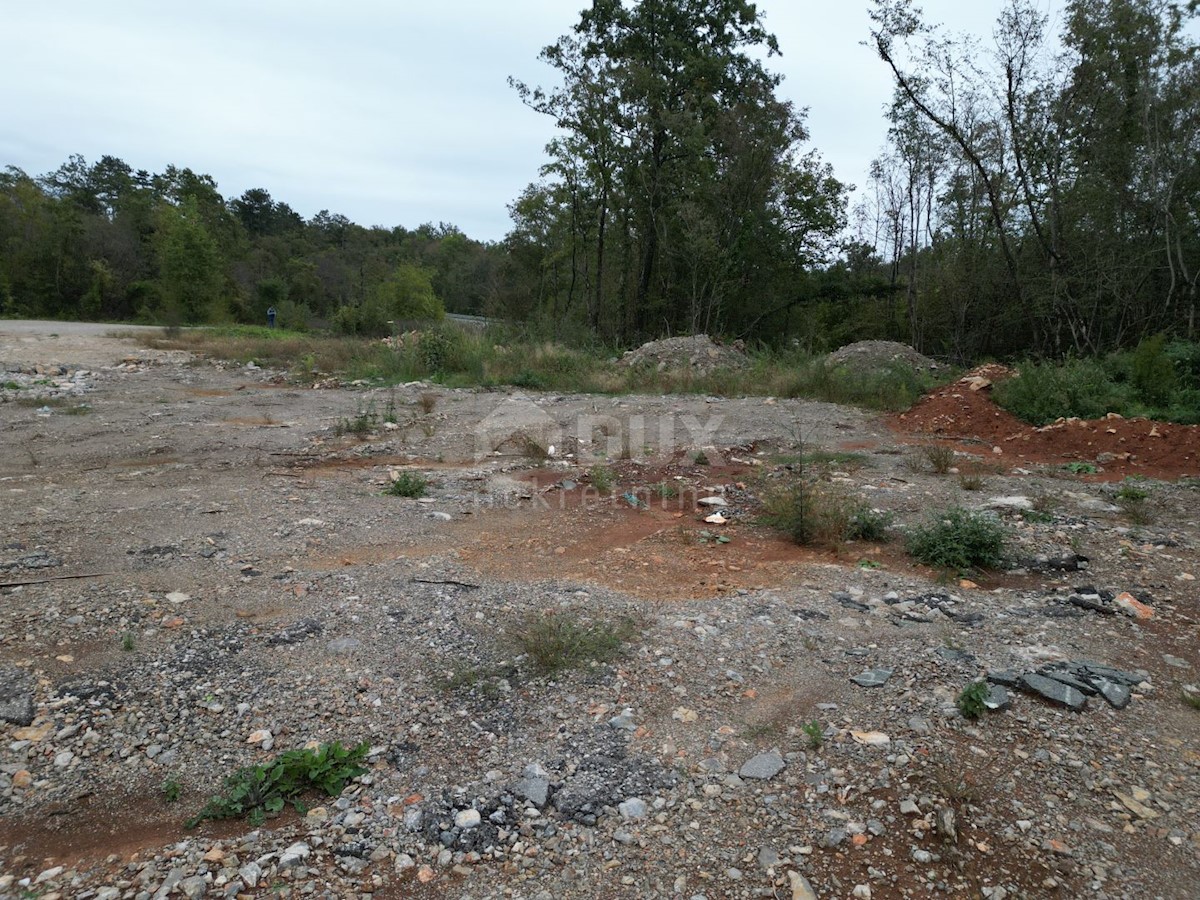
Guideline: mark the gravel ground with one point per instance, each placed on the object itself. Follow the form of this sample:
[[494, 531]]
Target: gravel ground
[[245, 587]]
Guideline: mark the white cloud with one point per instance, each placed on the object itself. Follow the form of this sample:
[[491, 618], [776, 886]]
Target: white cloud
[[391, 113]]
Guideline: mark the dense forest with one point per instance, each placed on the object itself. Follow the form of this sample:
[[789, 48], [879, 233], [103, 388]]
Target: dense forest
[[1039, 193]]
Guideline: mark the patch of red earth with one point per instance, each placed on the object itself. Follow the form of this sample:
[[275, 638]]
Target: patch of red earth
[[86, 831], [654, 553], [965, 410]]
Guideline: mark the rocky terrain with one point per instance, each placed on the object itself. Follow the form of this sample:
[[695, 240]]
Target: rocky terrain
[[200, 569]]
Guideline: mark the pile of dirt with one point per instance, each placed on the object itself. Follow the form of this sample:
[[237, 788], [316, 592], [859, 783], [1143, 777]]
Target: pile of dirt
[[1119, 446], [696, 353], [874, 357]]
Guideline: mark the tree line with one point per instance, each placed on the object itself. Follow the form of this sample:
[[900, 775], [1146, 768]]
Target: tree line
[[104, 241], [1038, 193]]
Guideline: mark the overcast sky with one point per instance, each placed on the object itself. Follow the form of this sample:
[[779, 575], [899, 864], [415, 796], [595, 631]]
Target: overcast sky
[[391, 112]]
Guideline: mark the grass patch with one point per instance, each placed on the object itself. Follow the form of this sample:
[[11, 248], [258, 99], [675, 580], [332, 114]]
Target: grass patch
[[959, 540], [407, 484], [1134, 503], [562, 640], [971, 481], [265, 789], [939, 458], [603, 479], [505, 357], [818, 514], [663, 491]]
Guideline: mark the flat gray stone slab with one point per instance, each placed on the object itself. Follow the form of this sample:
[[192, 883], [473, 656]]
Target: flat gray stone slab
[[1068, 678], [16, 697], [1054, 691], [1117, 695], [997, 698], [1007, 677], [873, 677], [764, 766]]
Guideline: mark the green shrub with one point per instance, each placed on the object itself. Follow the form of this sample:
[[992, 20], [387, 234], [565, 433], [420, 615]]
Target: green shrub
[[820, 514], [939, 457], [1152, 371], [815, 734], [262, 790], [1045, 391], [972, 701], [436, 350], [602, 479], [959, 540], [407, 484]]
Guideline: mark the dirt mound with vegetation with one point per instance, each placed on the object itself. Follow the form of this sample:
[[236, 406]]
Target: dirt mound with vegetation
[[697, 353], [872, 357], [1115, 445]]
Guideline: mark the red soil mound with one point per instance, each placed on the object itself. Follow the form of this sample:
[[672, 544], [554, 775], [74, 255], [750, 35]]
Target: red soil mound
[[1119, 446]]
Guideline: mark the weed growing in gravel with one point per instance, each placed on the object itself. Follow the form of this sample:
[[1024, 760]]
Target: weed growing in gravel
[[761, 730], [970, 481], [262, 790], [1036, 516], [407, 484], [663, 491], [602, 479], [815, 734], [360, 426], [959, 540], [819, 514], [171, 789], [940, 459], [127, 642], [701, 458], [971, 701], [1191, 696], [467, 677], [428, 403], [562, 640], [1133, 502], [1081, 468]]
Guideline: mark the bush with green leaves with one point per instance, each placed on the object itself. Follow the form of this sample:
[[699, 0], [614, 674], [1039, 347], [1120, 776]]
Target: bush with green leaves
[[265, 789], [1152, 371], [815, 513], [408, 484], [959, 540], [972, 702], [1045, 391]]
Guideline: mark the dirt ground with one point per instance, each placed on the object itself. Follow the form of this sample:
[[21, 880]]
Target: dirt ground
[[193, 555]]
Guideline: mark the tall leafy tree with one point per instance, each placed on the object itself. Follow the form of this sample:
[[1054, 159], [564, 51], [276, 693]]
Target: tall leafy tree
[[683, 198]]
